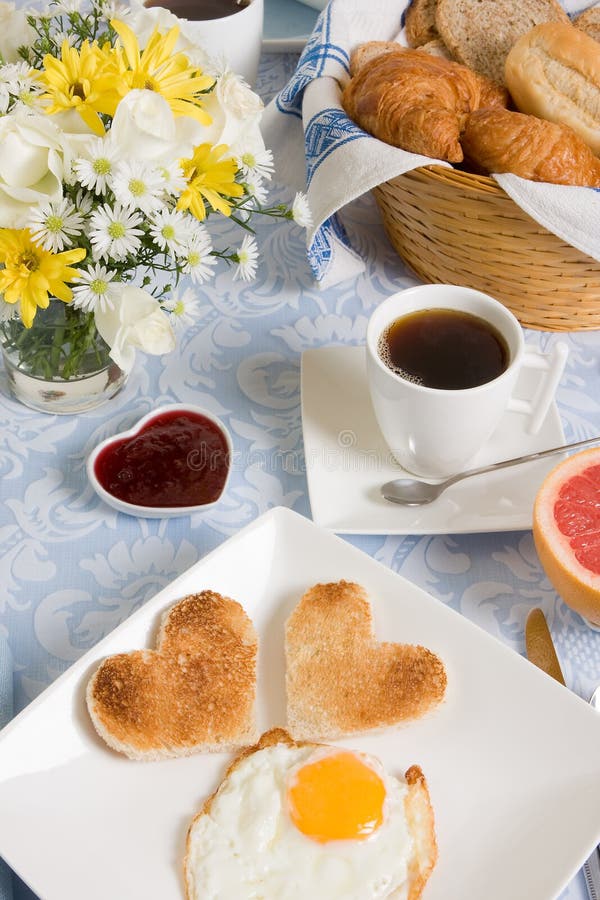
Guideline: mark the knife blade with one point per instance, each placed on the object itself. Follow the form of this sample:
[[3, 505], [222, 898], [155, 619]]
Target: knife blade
[[541, 652], [540, 646]]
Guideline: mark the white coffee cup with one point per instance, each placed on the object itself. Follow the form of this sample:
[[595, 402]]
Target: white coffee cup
[[435, 432], [236, 38]]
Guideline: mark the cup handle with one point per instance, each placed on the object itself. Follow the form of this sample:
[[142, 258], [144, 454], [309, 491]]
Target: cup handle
[[552, 366]]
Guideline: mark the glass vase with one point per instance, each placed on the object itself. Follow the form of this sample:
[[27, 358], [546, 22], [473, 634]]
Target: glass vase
[[60, 364]]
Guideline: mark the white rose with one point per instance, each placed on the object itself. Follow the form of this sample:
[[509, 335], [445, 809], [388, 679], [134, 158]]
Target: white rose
[[14, 31], [136, 321], [235, 111], [31, 165], [144, 127]]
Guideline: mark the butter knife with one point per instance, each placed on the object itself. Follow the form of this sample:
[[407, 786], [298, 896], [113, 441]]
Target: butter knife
[[541, 652], [539, 645]]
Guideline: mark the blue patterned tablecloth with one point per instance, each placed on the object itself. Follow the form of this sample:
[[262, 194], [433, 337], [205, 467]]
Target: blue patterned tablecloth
[[71, 569]]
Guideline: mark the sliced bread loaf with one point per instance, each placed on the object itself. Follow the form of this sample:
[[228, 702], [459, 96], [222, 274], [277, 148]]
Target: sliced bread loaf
[[589, 21], [481, 33]]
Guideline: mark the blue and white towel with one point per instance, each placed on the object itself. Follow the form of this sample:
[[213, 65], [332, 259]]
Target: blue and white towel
[[319, 149], [6, 711]]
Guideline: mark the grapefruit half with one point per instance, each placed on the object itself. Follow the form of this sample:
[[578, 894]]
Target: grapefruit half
[[566, 531]]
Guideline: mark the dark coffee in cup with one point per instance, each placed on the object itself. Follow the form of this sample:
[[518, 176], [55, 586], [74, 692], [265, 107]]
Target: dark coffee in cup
[[200, 10], [444, 348]]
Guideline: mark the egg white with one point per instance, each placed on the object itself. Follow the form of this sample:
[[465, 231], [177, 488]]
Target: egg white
[[248, 848]]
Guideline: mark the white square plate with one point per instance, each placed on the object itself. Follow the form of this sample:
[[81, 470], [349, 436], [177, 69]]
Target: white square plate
[[511, 756], [347, 459]]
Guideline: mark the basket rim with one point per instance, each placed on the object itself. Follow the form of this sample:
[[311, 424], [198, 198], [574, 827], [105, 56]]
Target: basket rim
[[453, 176]]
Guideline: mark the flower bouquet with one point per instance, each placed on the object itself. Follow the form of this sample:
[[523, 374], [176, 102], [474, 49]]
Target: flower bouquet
[[118, 141]]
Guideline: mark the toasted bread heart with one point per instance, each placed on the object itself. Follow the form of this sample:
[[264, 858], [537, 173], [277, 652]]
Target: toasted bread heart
[[340, 680], [195, 692]]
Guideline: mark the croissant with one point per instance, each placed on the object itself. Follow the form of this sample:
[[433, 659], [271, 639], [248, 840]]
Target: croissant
[[497, 140], [415, 101]]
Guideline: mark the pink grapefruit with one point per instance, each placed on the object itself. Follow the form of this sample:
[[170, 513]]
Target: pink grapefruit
[[566, 531]]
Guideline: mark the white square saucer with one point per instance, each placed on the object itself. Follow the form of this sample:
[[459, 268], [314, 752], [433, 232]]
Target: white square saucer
[[347, 460]]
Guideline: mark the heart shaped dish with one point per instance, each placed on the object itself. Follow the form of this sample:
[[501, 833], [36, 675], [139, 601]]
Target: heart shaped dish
[[175, 461]]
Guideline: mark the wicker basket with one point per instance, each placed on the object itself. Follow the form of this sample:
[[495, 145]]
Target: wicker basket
[[458, 228]]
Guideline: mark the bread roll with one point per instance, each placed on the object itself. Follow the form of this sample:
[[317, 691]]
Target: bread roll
[[366, 53], [436, 48], [554, 72], [497, 140], [420, 22], [415, 101]]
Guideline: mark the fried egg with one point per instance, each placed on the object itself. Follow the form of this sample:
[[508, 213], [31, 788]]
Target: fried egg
[[292, 822]]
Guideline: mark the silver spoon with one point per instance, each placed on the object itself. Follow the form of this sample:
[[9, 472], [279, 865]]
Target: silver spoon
[[413, 492]]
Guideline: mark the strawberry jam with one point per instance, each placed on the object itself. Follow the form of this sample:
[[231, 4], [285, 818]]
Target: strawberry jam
[[179, 458]]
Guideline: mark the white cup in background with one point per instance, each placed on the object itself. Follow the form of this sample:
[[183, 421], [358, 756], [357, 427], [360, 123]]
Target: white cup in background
[[237, 37], [435, 432]]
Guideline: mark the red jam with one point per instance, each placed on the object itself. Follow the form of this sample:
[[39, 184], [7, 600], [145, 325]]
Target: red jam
[[177, 459]]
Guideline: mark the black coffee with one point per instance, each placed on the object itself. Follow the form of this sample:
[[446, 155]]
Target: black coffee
[[201, 10], [443, 348]]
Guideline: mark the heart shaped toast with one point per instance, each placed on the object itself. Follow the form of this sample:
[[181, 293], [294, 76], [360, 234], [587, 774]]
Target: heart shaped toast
[[195, 692], [340, 680]]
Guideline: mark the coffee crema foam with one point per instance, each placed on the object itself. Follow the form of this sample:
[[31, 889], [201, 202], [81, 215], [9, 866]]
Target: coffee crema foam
[[385, 356]]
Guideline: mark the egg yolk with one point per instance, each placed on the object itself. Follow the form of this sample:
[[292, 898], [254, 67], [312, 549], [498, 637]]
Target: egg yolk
[[336, 798]]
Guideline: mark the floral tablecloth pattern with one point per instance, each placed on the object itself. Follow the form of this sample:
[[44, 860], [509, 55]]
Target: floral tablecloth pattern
[[71, 568]]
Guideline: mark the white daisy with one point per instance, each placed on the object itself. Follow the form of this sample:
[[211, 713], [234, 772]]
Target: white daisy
[[172, 230], [138, 186], [95, 288], [8, 310], [196, 258], [184, 308], [247, 259], [301, 213], [4, 98], [66, 6], [83, 203], [114, 232], [256, 188], [54, 225], [17, 79], [173, 181], [257, 163], [111, 9], [28, 95], [97, 170], [12, 74], [67, 36]]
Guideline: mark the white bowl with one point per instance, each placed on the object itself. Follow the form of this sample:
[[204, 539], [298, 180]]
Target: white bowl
[[156, 512]]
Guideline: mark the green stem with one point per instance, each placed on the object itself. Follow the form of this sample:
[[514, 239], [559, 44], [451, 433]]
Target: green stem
[[57, 344]]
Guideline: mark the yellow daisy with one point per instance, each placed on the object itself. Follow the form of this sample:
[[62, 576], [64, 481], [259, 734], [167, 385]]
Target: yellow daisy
[[158, 68], [31, 274], [209, 179], [80, 80]]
